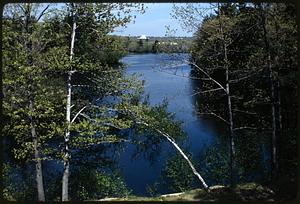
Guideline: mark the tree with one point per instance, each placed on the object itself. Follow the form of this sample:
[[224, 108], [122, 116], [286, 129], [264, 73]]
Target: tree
[[26, 107], [87, 16], [240, 37], [216, 34], [273, 26], [158, 122], [155, 46], [49, 52]]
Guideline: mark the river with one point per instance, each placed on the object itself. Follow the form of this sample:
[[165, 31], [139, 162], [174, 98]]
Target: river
[[174, 85]]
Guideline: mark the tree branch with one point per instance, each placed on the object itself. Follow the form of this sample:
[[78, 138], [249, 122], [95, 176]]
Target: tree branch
[[172, 141], [21, 7], [245, 127], [211, 90], [247, 112], [245, 77], [78, 114], [214, 114], [250, 128], [204, 72], [105, 124], [43, 12]]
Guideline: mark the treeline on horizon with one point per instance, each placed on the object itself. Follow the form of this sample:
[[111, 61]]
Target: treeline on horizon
[[156, 44]]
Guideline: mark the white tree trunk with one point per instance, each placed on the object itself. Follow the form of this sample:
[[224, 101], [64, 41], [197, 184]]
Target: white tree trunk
[[188, 161], [66, 173], [171, 140]]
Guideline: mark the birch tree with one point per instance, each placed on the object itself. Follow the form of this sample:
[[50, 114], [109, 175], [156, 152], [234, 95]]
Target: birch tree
[[220, 84], [217, 69], [243, 44], [84, 15]]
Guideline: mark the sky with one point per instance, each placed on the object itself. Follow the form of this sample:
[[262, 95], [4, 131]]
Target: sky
[[153, 22]]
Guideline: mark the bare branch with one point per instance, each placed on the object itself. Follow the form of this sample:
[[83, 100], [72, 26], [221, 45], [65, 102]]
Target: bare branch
[[214, 114], [82, 145], [87, 117], [247, 112], [243, 128], [250, 128], [175, 65], [21, 7], [211, 90], [236, 97], [43, 12], [172, 141], [185, 76], [204, 72], [245, 77], [78, 114]]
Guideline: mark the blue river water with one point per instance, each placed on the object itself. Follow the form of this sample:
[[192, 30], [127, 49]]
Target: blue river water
[[166, 77]]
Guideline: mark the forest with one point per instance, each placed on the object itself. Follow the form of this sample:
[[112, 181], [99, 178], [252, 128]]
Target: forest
[[156, 44], [68, 109]]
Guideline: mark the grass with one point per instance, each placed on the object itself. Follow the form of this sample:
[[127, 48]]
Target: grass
[[243, 192]]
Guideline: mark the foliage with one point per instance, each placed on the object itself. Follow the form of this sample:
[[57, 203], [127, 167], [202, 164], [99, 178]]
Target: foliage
[[16, 187], [36, 68], [36, 61], [250, 80], [166, 44], [177, 174], [104, 184], [214, 162], [244, 192], [21, 81]]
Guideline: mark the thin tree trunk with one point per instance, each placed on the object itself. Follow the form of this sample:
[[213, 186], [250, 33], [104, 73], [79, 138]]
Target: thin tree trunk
[[66, 173], [274, 164], [279, 133], [274, 136], [38, 162], [195, 172], [37, 158], [279, 108], [229, 106], [231, 136]]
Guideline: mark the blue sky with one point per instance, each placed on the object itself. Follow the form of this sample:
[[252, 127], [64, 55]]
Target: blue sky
[[153, 22]]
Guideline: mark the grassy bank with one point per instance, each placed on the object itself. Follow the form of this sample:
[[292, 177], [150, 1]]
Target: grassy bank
[[243, 192]]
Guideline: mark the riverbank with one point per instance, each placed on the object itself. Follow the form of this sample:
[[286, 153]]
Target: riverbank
[[243, 192], [156, 44]]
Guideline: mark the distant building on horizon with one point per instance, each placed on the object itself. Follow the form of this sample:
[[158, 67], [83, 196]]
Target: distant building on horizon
[[143, 37]]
